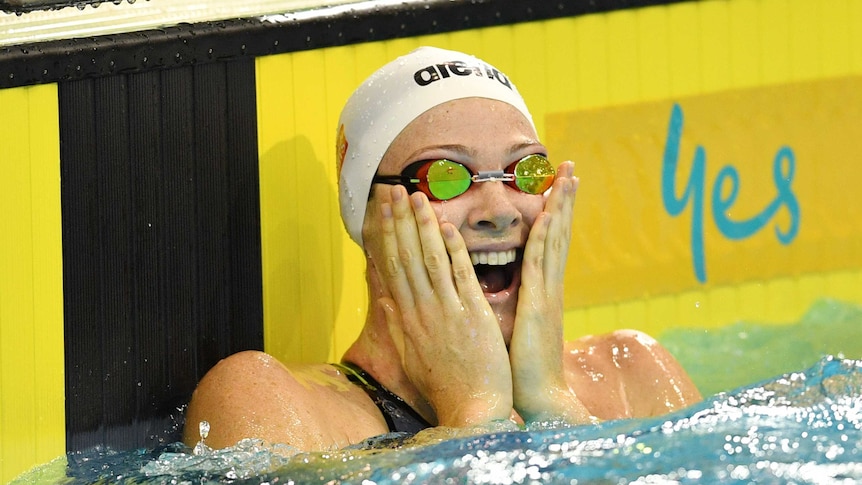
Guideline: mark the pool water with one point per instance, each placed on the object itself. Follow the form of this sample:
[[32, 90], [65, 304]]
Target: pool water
[[725, 358], [802, 427]]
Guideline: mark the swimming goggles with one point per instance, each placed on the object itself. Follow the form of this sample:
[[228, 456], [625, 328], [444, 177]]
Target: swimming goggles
[[444, 179]]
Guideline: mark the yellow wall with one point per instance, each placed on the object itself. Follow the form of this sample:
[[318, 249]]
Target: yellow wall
[[32, 413], [314, 290]]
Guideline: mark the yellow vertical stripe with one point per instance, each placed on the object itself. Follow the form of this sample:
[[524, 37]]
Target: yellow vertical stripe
[[803, 43], [562, 65], [623, 63], [47, 272], [714, 25], [279, 241], [854, 18], [684, 44], [32, 412], [832, 22], [592, 80], [774, 29], [528, 62], [743, 41], [314, 197], [653, 53], [348, 264]]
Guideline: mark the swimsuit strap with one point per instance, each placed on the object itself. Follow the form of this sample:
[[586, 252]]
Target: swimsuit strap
[[398, 414]]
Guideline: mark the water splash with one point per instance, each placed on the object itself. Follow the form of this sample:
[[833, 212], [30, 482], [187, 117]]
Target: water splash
[[201, 448], [802, 427]]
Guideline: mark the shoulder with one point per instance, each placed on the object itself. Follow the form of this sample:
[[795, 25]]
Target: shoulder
[[627, 373], [252, 395]]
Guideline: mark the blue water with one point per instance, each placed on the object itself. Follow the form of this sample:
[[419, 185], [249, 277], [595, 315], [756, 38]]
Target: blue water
[[737, 354], [802, 427]]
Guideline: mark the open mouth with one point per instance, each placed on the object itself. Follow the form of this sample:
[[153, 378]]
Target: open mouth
[[495, 270]]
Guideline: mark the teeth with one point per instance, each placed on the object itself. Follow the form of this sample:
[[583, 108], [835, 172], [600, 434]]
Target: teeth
[[493, 258]]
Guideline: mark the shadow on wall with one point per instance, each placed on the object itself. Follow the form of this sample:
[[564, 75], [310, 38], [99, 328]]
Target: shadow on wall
[[302, 252]]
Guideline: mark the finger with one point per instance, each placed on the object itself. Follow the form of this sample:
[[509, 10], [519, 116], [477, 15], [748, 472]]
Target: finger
[[463, 273], [408, 244], [533, 262], [391, 270], [435, 256], [560, 205]]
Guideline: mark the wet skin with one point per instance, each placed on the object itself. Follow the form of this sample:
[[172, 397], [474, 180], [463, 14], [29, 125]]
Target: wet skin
[[458, 355]]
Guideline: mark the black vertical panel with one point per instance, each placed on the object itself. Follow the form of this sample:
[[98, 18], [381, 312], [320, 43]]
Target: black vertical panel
[[179, 138], [212, 226], [145, 156], [161, 244], [243, 211], [82, 298], [116, 285]]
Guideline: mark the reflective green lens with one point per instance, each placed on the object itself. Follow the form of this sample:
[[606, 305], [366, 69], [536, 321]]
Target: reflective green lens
[[534, 174], [447, 179]]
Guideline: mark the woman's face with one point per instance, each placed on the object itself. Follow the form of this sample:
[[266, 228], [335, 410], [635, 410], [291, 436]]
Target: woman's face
[[493, 218]]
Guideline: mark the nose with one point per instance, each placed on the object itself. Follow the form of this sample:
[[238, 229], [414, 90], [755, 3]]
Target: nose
[[494, 208]]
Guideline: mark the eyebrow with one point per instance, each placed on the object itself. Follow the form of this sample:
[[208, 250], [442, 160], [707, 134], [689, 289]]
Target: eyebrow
[[459, 149], [471, 153]]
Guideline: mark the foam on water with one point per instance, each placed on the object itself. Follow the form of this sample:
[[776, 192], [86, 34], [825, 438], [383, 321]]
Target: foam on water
[[803, 427]]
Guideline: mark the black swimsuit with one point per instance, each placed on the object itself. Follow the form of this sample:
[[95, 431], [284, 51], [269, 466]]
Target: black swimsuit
[[400, 417]]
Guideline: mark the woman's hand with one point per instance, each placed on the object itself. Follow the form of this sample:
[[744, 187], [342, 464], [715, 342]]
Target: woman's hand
[[447, 336], [540, 392]]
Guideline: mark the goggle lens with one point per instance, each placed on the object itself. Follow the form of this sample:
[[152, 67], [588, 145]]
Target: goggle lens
[[447, 179], [534, 174], [444, 179]]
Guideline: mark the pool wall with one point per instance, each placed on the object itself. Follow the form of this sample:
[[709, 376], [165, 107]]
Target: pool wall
[[169, 197]]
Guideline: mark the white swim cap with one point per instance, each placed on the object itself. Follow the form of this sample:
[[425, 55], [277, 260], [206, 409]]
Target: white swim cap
[[389, 100]]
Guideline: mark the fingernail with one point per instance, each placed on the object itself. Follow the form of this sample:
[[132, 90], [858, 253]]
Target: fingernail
[[386, 211], [417, 200], [396, 193], [448, 231]]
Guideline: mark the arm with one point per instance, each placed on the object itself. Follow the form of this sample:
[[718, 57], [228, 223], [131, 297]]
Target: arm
[[252, 395]]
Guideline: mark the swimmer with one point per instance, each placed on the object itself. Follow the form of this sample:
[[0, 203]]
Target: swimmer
[[465, 224]]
